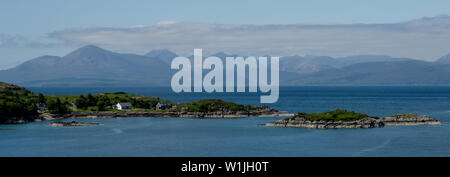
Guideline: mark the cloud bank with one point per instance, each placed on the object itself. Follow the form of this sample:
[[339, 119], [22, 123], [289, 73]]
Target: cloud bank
[[426, 38], [20, 41]]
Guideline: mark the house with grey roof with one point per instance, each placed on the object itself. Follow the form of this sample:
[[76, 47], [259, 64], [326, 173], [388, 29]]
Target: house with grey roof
[[163, 106], [123, 106]]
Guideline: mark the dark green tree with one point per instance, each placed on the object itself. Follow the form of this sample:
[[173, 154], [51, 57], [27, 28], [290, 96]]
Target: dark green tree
[[101, 105], [41, 98], [57, 107], [81, 102], [91, 100]]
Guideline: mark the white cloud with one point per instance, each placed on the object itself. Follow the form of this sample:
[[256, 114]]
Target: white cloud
[[425, 38], [165, 23]]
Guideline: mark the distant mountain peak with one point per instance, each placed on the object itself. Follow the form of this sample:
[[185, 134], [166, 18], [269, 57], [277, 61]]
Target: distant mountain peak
[[444, 59], [163, 55], [90, 47], [88, 50], [223, 55], [160, 52]]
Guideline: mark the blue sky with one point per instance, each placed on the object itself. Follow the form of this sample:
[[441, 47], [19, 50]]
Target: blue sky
[[43, 22]]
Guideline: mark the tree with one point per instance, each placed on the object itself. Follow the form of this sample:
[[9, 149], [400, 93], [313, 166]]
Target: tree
[[91, 100], [204, 108], [57, 107], [41, 98], [101, 105], [81, 102]]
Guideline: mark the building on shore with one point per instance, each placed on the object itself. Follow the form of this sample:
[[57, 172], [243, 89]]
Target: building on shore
[[123, 106], [163, 106]]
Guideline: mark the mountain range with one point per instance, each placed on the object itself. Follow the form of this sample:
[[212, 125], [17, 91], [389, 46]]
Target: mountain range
[[93, 66]]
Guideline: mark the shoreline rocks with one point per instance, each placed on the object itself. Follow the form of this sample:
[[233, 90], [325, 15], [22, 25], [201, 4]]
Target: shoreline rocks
[[111, 114], [368, 122], [268, 112], [20, 120], [411, 120], [72, 124]]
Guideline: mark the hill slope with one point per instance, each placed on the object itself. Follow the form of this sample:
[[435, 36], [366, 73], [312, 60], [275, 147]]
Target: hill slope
[[163, 55], [89, 64], [381, 73], [445, 59], [94, 66]]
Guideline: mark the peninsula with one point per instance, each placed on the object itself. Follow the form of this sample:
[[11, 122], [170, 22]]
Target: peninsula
[[349, 119], [19, 105]]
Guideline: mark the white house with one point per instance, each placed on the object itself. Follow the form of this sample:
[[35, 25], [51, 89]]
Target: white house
[[122, 106]]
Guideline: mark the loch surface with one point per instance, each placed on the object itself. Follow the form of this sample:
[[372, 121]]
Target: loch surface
[[244, 137]]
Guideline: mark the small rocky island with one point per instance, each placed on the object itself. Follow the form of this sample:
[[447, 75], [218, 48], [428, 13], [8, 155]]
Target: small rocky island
[[72, 124], [349, 119]]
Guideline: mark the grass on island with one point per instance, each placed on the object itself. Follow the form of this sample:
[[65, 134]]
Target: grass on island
[[405, 115], [18, 102], [335, 115], [103, 101], [100, 102], [215, 105]]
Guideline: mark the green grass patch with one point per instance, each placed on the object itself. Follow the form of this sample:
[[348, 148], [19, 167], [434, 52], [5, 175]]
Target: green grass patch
[[215, 105], [405, 115], [335, 115]]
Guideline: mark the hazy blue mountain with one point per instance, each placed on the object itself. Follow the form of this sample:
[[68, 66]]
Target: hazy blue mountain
[[444, 59], [89, 63], [350, 60], [223, 55], [284, 76], [380, 73], [310, 64], [94, 66], [298, 64], [163, 55]]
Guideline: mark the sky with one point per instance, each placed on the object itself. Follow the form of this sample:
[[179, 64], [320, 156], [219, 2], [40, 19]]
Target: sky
[[401, 28]]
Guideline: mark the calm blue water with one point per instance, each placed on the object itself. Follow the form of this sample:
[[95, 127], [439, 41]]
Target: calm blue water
[[243, 137]]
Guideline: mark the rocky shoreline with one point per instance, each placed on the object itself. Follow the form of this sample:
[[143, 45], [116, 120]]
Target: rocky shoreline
[[111, 114], [114, 114], [404, 121], [72, 124], [22, 120], [369, 122]]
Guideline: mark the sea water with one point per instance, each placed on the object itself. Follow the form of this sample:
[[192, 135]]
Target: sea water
[[244, 136]]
